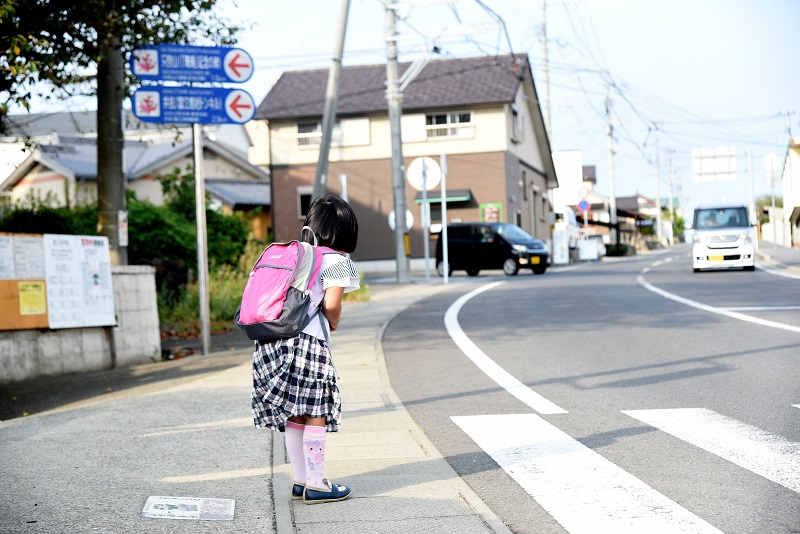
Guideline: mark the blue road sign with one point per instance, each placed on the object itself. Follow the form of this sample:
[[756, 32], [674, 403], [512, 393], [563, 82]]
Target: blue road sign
[[183, 63], [584, 205], [193, 105]]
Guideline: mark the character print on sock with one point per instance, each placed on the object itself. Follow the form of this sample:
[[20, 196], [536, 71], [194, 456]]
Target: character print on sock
[[316, 453]]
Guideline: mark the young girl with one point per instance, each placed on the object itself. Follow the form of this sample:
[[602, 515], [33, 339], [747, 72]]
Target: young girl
[[294, 380]]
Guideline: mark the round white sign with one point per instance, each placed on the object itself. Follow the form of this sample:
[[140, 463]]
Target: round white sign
[[409, 220], [428, 167]]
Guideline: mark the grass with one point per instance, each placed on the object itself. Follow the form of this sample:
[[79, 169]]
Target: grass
[[225, 285]]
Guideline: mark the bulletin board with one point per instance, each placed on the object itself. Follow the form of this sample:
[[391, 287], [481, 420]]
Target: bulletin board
[[55, 281], [23, 293]]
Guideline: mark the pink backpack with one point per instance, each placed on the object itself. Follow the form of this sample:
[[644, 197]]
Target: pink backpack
[[277, 295]]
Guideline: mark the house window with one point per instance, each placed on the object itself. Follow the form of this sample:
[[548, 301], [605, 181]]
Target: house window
[[454, 124], [524, 185], [309, 134], [516, 125], [304, 194]]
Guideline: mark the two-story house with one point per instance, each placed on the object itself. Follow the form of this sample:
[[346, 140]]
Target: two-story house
[[482, 113]]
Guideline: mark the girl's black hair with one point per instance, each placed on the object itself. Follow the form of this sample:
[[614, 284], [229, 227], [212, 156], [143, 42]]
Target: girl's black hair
[[333, 222]]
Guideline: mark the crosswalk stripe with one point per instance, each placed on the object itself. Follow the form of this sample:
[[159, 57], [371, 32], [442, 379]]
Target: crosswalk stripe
[[768, 455], [583, 491], [502, 377]]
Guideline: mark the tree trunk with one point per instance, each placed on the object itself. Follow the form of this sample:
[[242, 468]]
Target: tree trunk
[[110, 144]]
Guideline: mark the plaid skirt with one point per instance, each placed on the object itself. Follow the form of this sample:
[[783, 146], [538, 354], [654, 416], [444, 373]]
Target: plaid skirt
[[294, 377]]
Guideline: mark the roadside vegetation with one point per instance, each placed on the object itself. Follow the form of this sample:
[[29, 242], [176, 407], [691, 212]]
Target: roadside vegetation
[[165, 238]]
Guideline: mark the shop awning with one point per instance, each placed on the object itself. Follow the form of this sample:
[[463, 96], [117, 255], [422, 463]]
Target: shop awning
[[453, 195]]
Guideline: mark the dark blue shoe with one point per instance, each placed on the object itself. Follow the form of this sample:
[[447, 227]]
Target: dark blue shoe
[[297, 491], [337, 493]]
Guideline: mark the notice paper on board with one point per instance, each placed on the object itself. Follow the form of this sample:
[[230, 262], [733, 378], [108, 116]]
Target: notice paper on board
[[196, 508]]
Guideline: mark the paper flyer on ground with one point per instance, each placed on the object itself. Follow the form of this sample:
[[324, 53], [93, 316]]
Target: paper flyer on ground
[[198, 508]]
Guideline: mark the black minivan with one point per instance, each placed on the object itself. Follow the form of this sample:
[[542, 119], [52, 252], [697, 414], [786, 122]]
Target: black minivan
[[477, 246]]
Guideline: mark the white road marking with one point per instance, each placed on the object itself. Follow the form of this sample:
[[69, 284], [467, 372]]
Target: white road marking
[[796, 405], [778, 272], [487, 365], [583, 491], [760, 308], [712, 309], [768, 455]]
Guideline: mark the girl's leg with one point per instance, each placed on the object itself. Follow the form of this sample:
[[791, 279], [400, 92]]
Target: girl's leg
[[314, 449], [318, 489], [294, 449]]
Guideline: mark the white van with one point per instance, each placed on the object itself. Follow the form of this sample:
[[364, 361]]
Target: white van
[[722, 237]]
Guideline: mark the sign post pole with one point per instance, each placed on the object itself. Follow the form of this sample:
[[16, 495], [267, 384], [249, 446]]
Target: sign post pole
[[445, 251], [202, 249]]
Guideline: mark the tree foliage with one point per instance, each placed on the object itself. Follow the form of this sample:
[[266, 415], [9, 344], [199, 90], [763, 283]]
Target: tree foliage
[[60, 42]]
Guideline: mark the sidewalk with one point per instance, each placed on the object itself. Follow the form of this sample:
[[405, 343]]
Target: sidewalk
[[778, 257], [400, 481], [96, 445]]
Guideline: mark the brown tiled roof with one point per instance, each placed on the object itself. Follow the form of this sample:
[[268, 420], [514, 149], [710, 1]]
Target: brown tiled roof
[[362, 89]]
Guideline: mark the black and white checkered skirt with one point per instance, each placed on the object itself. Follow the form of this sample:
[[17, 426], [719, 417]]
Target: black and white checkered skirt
[[294, 377]]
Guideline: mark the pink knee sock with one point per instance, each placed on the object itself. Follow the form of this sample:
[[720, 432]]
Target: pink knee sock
[[314, 448], [294, 449]]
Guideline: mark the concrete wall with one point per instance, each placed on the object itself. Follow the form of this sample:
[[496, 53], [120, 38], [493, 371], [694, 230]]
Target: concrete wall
[[136, 338]]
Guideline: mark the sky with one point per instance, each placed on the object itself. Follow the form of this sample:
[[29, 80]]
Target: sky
[[680, 74]]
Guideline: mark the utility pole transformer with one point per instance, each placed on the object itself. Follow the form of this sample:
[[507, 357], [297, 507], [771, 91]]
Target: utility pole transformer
[[394, 97]]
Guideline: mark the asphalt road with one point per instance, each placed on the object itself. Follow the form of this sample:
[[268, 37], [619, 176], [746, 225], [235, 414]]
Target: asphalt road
[[638, 396]]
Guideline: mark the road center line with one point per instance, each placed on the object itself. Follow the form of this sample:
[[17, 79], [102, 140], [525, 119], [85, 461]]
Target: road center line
[[487, 365], [582, 490], [712, 309], [768, 455]]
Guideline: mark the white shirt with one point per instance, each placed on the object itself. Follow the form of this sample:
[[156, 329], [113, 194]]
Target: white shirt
[[337, 271]]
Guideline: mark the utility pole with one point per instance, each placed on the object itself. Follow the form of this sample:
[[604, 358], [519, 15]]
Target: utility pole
[[545, 71], [671, 193], [612, 195], [110, 146], [753, 212], [658, 188], [393, 96], [331, 97]]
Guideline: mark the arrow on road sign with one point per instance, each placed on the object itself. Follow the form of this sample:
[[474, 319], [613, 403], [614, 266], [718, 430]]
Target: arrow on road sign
[[240, 100], [234, 66]]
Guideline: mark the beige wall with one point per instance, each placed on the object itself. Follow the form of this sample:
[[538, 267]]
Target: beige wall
[[490, 135]]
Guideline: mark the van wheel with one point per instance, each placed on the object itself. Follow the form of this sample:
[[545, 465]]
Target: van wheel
[[440, 269], [473, 272], [750, 268], [510, 267], [540, 270]]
